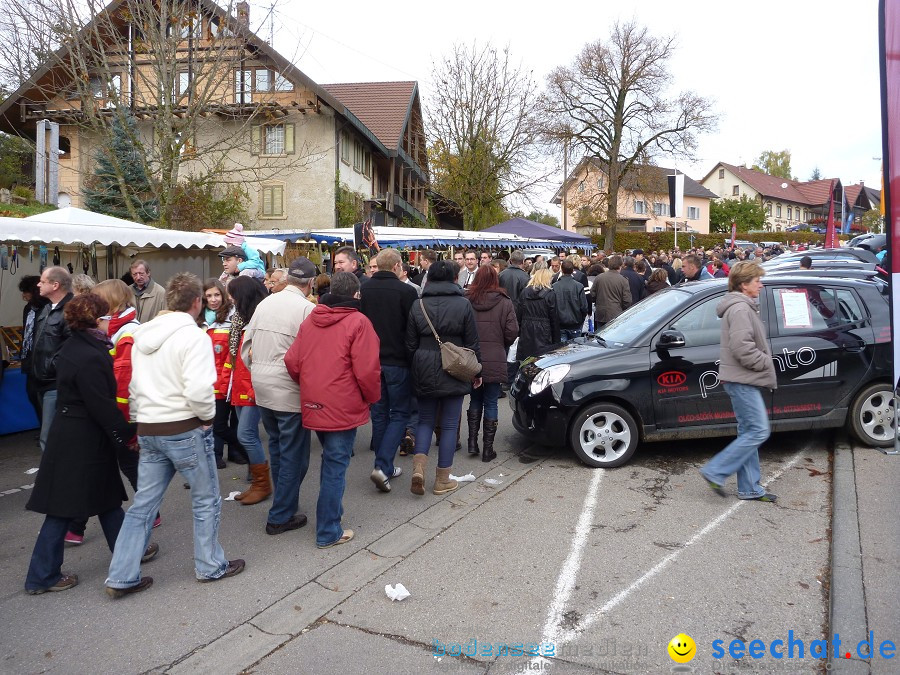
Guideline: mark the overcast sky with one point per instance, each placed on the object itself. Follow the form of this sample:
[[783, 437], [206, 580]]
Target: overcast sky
[[794, 74]]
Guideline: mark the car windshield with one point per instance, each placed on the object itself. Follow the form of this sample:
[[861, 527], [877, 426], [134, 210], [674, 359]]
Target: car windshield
[[636, 319]]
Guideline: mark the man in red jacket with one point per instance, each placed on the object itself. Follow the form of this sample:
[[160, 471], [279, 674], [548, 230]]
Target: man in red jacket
[[336, 338]]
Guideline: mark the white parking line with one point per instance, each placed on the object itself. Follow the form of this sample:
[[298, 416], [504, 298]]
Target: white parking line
[[566, 580]]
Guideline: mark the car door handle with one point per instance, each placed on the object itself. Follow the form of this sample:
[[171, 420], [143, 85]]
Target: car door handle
[[855, 349]]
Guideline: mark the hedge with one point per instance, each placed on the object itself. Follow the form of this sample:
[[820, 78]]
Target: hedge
[[655, 241]]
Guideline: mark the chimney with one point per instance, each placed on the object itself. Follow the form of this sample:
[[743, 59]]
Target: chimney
[[243, 12]]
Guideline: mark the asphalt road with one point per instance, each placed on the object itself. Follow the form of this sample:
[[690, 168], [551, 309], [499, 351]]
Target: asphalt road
[[595, 569]]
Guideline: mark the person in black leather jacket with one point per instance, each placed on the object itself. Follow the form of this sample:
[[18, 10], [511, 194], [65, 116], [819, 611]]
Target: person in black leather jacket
[[454, 321], [538, 316], [571, 302], [50, 332]]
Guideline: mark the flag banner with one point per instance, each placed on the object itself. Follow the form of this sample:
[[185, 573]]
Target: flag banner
[[830, 235], [889, 56], [676, 195], [364, 237], [733, 233]]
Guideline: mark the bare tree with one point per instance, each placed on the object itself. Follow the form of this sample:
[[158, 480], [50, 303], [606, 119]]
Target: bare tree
[[205, 107], [613, 104], [482, 145]]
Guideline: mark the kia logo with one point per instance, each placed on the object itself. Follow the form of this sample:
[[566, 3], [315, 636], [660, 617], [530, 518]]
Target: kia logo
[[671, 378]]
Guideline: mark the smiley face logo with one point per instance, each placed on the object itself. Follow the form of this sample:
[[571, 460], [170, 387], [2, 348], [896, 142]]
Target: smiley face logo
[[682, 648]]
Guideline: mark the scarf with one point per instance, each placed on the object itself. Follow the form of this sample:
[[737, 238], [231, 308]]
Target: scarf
[[98, 334], [234, 336], [210, 316]]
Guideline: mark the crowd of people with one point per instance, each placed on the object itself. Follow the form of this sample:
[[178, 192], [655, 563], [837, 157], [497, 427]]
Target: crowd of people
[[149, 381]]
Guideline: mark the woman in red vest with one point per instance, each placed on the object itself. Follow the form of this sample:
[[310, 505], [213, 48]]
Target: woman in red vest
[[218, 310]]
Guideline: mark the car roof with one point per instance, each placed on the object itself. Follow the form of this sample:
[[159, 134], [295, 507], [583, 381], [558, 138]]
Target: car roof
[[840, 277]]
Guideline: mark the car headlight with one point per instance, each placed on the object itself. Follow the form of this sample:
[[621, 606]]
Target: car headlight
[[548, 376]]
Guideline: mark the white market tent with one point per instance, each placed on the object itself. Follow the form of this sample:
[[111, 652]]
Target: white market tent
[[82, 238], [74, 226]]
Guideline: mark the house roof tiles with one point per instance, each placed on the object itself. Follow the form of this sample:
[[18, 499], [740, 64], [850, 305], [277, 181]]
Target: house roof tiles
[[809, 193], [382, 106]]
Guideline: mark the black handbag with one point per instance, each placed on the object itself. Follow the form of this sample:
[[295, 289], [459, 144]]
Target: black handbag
[[458, 362]]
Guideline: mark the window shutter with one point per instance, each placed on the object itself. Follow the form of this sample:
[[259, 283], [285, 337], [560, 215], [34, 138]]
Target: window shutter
[[255, 139], [278, 200], [267, 201], [289, 139]]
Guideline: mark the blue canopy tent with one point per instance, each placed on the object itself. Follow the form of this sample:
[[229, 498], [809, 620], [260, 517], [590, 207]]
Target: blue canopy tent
[[523, 227], [400, 237]]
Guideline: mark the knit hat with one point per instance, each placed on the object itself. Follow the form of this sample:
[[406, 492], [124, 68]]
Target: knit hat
[[236, 236]]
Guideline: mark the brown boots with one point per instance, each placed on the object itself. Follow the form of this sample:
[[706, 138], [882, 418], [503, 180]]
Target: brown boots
[[442, 482], [490, 430], [417, 485], [474, 419], [260, 487]]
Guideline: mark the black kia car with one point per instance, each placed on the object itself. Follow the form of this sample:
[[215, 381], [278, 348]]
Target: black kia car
[[652, 373]]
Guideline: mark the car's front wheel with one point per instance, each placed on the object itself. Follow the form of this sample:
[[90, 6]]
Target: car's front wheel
[[604, 435], [872, 417]]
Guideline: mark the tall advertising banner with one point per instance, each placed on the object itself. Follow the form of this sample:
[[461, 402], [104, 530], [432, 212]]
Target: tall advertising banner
[[830, 237], [733, 233], [889, 44]]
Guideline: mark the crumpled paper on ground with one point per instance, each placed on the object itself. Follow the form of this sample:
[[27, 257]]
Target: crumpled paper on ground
[[397, 592], [31, 471], [468, 478], [493, 481], [232, 495]]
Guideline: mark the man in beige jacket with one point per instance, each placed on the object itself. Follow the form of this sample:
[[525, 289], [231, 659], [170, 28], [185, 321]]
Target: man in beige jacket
[[268, 336], [149, 296]]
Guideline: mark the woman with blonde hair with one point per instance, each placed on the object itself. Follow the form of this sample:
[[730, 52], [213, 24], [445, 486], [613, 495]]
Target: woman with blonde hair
[[537, 316], [746, 370]]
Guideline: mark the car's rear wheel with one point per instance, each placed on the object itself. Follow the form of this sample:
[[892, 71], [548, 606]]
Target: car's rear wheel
[[873, 417], [604, 435]]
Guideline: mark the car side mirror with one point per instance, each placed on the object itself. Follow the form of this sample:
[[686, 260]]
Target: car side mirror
[[670, 339]]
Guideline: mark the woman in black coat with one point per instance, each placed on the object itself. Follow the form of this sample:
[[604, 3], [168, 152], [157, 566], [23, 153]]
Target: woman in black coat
[[79, 472], [495, 319], [537, 315], [454, 320]]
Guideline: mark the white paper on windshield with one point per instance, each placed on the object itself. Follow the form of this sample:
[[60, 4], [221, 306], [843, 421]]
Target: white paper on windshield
[[795, 309]]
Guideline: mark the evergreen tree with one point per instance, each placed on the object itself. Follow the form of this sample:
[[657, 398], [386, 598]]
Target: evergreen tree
[[120, 186]]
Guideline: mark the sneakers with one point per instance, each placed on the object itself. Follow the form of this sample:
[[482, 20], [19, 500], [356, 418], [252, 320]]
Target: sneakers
[[150, 553], [767, 497], [65, 582], [142, 585], [74, 539], [715, 487], [345, 537], [294, 523], [382, 482], [234, 568], [157, 522]]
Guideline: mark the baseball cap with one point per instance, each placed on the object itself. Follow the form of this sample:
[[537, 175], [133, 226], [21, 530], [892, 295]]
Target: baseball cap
[[302, 268], [233, 252]]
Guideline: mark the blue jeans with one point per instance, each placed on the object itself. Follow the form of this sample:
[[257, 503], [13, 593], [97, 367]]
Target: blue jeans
[[248, 432], [48, 412], [390, 415], [486, 397], [191, 455], [336, 448], [47, 558], [566, 334], [288, 460], [741, 456], [450, 410]]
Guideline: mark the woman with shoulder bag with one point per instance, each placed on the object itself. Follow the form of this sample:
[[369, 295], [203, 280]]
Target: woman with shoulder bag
[[453, 320]]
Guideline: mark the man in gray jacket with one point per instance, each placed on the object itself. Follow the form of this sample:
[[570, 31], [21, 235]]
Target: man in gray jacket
[[611, 294], [268, 336]]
